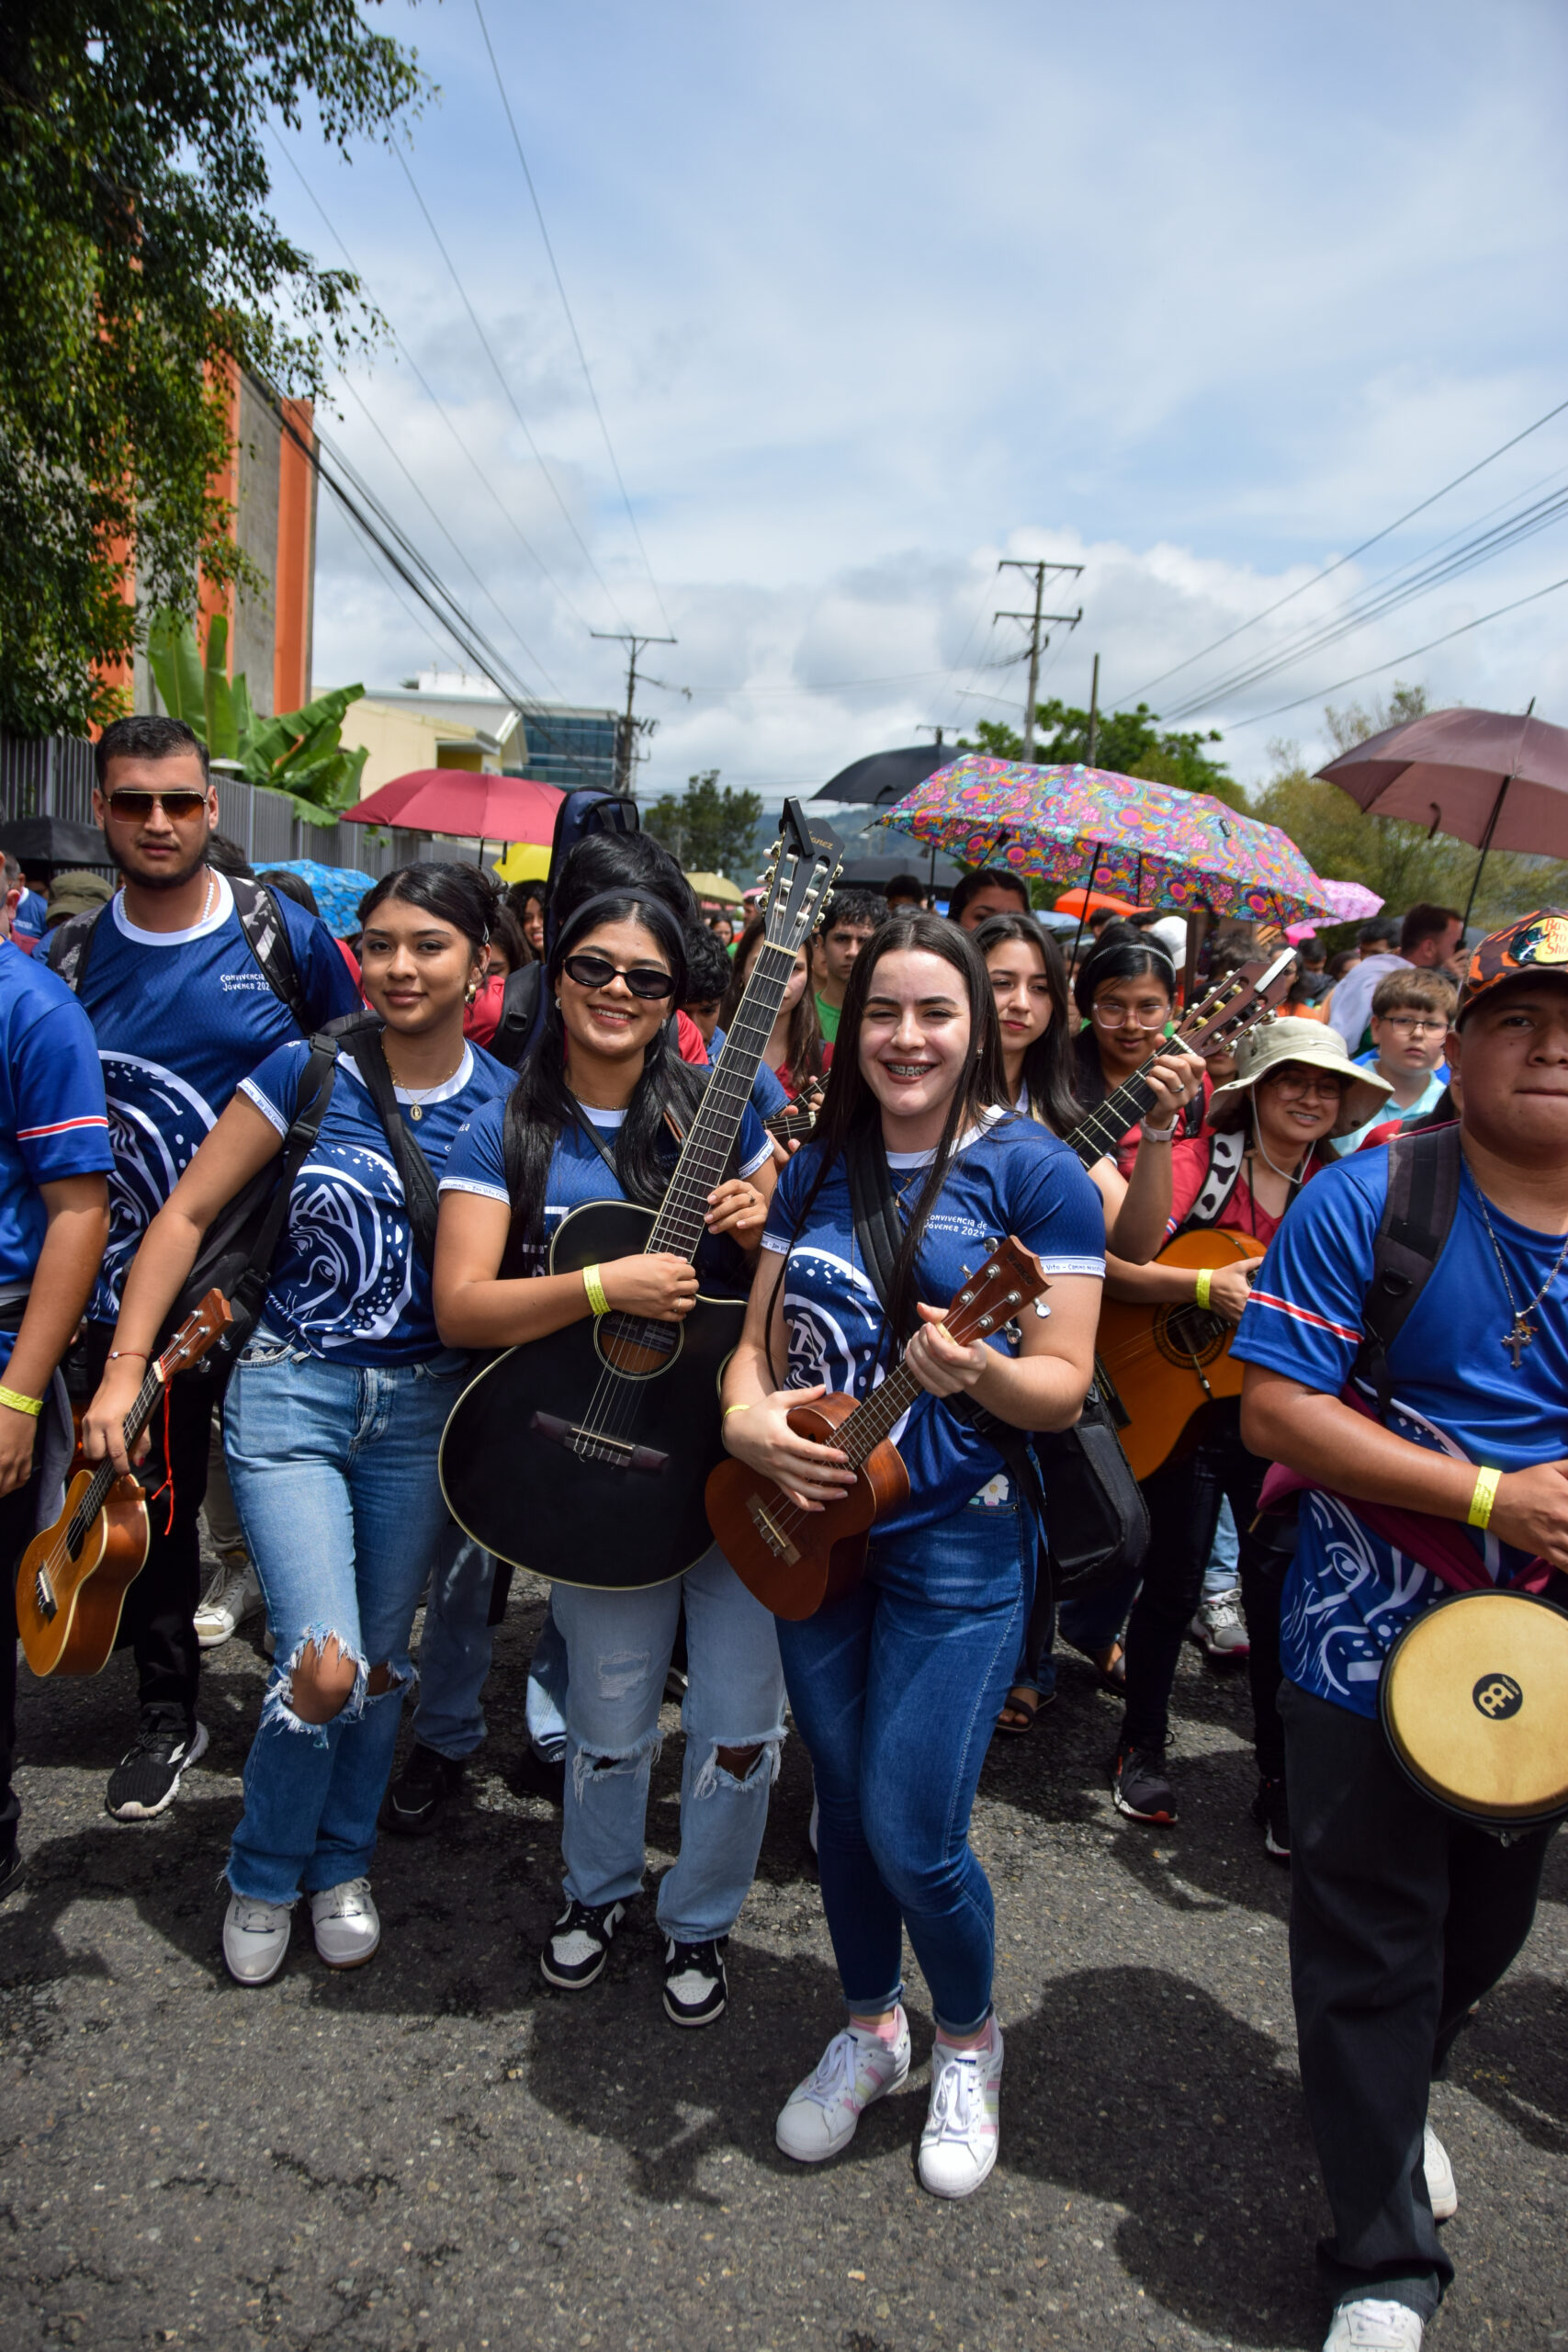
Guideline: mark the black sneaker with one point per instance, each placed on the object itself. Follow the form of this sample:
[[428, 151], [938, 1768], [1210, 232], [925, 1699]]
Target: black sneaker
[[1139, 1786], [697, 1991], [580, 1944], [146, 1780], [1272, 1812], [539, 1775], [425, 1784]]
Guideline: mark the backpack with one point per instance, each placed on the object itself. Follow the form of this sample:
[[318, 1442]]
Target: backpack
[[1424, 1167], [261, 921], [581, 814]]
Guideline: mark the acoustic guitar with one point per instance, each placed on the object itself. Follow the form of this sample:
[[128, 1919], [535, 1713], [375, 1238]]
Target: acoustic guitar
[[582, 1455], [798, 1116], [73, 1576], [796, 1561]]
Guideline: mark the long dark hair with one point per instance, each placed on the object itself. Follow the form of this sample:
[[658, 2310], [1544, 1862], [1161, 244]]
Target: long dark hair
[[460, 895], [805, 1033], [850, 1111], [541, 1103], [1048, 1064], [1123, 959]]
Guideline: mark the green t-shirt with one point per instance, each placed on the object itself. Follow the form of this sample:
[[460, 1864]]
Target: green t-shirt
[[828, 1016]]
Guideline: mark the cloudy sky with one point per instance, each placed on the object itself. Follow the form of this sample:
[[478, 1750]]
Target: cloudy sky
[[1199, 298]]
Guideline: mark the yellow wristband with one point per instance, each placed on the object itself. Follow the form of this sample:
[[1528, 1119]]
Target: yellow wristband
[[733, 1408], [31, 1406], [1483, 1498], [1204, 1286], [595, 1289]]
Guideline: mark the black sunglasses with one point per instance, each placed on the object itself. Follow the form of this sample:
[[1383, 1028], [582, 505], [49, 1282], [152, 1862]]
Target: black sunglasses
[[645, 981], [131, 808]]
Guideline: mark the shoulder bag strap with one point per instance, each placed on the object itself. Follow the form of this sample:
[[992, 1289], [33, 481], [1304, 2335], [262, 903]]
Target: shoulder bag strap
[[266, 937], [68, 947]]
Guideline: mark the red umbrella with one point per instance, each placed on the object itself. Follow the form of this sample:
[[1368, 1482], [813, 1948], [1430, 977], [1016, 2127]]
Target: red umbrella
[[458, 800], [1486, 776]]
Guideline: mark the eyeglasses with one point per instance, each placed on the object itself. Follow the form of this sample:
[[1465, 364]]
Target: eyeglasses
[[1303, 1082], [645, 981], [1411, 1025], [128, 806], [1146, 1016]]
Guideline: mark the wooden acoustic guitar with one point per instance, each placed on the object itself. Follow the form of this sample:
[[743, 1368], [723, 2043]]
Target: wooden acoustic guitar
[[798, 1116], [796, 1561], [1165, 1362], [73, 1576]]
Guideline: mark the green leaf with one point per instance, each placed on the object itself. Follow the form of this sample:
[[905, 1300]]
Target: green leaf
[[177, 666], [217, 696]]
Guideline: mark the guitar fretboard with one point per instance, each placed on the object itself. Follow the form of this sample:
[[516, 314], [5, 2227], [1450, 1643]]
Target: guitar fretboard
[[106, 1474], [679, 1225], [1103, 1129]]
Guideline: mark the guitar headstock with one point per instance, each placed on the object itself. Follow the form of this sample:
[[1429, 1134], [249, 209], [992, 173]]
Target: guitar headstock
[[202, 1328], [805, 858], [1005, 1285], [1253, 994]]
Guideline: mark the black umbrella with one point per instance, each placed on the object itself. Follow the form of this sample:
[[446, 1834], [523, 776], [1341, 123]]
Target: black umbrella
[[875, 872], [886, 776], [52, 841]]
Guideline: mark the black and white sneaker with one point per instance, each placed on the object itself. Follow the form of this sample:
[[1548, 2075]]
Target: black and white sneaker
[[1139, 1786], [425, 1784], [580, 1944], [146, 1780], [1271, 1810], [696, 1990]]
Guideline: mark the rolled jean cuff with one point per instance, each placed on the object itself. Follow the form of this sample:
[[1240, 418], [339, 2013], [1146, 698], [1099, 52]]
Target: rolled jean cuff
[[946, 2032], [878, 2006]]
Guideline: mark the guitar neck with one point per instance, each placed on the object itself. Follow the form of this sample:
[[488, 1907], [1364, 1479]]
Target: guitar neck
[[1103, 1129], [870, 1421], [104, 1476], [679, 1225]]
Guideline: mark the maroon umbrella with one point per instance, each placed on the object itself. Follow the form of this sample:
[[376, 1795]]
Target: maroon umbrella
[[1486, 776], [475, 807]]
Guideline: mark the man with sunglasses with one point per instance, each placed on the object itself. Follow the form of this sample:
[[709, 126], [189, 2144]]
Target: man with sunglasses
[[183, 1006]]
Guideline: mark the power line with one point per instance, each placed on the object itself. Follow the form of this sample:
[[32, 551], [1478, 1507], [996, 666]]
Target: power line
[[572, 322], [1340, 561]]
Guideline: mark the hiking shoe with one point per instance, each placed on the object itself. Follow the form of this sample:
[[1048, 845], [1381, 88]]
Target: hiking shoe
[[1139, 1786], [1442, 2190], [1369, 2325], [146, 1780], [1272, 1811], [235, 1591], [579, 1944], [425, 1784], [696, 1990], [1219, 1628], [345, 1923], [958, 2146], [856, 2069], [255, 1938]]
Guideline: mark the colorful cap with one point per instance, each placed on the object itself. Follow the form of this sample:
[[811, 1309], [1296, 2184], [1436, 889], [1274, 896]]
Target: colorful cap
[[1537, 942]]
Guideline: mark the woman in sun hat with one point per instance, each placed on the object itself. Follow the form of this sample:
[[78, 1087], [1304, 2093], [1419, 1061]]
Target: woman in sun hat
[[1264, 1137]]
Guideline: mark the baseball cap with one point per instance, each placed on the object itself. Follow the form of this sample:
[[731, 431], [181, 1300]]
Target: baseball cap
[[1534, 944]]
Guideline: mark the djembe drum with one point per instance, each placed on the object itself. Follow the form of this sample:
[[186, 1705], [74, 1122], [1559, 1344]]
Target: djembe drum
[[1474, 1702]]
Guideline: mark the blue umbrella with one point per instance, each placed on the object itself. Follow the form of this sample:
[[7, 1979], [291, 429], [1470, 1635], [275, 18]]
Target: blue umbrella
[[337, 890]]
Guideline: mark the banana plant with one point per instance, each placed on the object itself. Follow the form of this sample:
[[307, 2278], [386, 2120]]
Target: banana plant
[[299, 753]]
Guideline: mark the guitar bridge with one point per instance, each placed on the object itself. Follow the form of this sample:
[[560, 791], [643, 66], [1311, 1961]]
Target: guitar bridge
[[43, 1595], [596, 1445], [771, 1533]]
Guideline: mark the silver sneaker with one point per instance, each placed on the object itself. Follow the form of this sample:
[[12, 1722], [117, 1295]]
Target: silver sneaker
[[1219, 1628], [345, 1923], [1369, 2325], [255, 1938], [234, 1594]]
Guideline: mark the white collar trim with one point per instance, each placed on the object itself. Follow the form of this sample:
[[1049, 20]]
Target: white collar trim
[[203, 929], [424, 1095]]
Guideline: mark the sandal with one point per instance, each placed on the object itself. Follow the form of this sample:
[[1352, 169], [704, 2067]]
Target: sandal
[[1020, 1701]]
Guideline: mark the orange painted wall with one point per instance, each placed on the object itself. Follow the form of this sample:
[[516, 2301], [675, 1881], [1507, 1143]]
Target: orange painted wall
[[296, 563], [212, 600]]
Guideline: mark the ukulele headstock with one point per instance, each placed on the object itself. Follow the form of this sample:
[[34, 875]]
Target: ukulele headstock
[[202, 1328], [805, 858], [1009, 1279], [1251, 995]]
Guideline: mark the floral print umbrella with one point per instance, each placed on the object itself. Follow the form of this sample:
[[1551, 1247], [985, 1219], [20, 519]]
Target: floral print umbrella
[[1148, 843]]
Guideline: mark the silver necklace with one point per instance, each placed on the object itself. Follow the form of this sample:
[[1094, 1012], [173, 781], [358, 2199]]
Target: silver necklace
[[1521, 1331]]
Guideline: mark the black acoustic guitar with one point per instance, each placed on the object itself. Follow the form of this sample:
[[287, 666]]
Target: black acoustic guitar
[[583, 1456]]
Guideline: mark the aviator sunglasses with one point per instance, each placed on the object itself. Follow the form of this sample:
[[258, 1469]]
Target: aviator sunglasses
[[645, 981], [129, 807]]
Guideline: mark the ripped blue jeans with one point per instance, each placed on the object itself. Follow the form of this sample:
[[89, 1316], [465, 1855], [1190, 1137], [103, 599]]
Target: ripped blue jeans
[[618, 1646], [333, 1472]]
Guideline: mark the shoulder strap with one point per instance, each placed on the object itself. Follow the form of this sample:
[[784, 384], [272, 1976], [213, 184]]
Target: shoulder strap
[[362, 1034], [876, 1212], [69, 948], [522, 1005], [266, 937], [1424, 1167], [1223, 1176], [316, 1083]]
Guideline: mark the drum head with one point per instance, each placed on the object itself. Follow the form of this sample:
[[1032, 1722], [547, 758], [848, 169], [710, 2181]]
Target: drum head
[[1474, 1701]]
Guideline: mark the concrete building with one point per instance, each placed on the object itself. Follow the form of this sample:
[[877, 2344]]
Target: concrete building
[[447, 719]]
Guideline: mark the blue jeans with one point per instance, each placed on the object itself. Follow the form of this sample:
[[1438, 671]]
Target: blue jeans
[[618, 1646], [1223, 1571], [454, 1647], [895, 1690], [333, 1472]]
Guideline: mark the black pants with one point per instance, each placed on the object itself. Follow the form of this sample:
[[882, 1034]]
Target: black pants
[[161, 1606], [1183, 1500], [1400, 1918], [16, 1512]]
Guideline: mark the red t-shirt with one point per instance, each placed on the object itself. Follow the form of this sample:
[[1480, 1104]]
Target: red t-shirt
[[1241, 1212]]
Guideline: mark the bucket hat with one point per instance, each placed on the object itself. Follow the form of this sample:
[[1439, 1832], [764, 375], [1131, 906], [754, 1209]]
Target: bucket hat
[[1320, 1048], [1535, 943], [72, 892]]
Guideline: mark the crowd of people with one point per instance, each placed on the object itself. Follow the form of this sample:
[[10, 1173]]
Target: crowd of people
[[435, 1095]]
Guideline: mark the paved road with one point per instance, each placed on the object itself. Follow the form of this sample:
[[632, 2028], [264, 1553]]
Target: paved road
[[432, 2152]]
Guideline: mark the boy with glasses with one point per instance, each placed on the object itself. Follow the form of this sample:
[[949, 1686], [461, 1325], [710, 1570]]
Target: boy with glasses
[[1411, 1013]]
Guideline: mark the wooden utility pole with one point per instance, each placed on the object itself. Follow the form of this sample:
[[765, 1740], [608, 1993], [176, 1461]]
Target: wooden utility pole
[[626, 734], [1037, 644], [1094, 713]]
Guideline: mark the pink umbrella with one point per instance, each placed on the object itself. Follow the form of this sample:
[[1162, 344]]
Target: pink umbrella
[[475, 807]]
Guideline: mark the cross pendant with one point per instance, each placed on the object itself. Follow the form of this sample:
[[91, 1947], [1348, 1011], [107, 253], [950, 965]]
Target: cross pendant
[[1518, 1338]]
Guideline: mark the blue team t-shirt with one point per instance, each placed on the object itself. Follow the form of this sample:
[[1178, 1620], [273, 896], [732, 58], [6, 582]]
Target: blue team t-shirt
[[53, 1121], [181, 1017], [347, 1282], [1349, 1594], [578, 1174], [1010, 1176]]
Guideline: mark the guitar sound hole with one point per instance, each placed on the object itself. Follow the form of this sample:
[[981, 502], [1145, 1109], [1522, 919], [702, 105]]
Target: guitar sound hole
[[1188, 1332], [635, 1346]]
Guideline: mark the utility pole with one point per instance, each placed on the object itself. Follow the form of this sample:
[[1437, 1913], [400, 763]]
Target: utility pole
[[1037, 644], [1094, 713], [626, 733]]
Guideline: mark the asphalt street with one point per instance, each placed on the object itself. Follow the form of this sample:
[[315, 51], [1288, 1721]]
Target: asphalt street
[[434, 2151]]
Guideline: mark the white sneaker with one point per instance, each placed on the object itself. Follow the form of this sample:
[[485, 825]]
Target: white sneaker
[[1369, 2325], [857, 2068], [1219, 1628], [231, 1596], [1442, 2190], [255, 1938], [958, 2146], [344, 1922]]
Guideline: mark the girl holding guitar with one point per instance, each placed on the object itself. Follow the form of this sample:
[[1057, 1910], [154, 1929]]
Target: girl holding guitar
[[590, 1119], [896, 1686], [1265, 1134]]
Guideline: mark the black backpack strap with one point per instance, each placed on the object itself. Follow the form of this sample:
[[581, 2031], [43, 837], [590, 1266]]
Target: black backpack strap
[[1424, 1168], [315, 1091], [266, 937], [361, 1034], [68, 947], [522, 1013]]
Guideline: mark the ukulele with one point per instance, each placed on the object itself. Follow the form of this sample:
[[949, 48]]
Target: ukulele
[[73, 1576], [581, 1455], [799, 1115], [795, 1561]]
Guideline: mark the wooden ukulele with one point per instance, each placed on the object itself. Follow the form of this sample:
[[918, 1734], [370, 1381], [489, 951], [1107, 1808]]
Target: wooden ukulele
[[799, 1113], [796, 1561], [73, 1576]]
